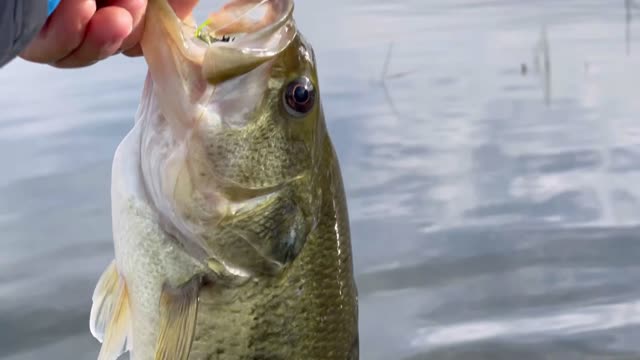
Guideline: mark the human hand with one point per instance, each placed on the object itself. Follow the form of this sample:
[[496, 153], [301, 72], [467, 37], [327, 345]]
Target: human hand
[[82, 32]]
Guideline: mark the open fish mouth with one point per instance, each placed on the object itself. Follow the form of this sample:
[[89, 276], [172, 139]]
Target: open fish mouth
[[188, 61], [242, 18], [242, 35]]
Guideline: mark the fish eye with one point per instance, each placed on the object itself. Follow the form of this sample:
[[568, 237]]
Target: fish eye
[[299, 96]]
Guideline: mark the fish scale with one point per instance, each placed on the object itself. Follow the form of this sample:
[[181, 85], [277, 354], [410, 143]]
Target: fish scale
[[231, 230], [308, 312]]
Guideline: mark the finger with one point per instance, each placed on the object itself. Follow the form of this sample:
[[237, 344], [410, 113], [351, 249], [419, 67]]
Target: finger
[[105, 33], [183, 8], [136, 9], [134, 51], [62, 33]]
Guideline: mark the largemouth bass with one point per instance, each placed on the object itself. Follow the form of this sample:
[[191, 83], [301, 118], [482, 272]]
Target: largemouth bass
[[230, 223]]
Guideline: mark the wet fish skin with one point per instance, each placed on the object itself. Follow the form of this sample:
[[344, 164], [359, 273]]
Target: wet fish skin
[[309, 311], [230, 221], [308, 308]]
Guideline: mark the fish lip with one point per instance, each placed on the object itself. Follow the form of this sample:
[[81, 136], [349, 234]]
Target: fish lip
[[285, 10], [254, 42]]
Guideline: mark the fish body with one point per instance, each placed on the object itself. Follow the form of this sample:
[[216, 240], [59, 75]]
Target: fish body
[[230, 223]]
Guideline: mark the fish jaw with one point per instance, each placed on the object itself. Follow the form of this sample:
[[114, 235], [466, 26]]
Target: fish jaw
[[194, 81], [182, 65], [196, 89]]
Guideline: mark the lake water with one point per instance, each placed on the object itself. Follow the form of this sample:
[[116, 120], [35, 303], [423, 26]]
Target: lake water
[[491, 155]]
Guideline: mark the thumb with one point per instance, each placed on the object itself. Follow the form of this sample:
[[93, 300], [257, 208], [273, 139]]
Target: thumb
[[182, 8]]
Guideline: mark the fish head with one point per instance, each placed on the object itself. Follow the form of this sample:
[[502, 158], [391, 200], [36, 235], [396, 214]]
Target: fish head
[[264, 111], [234, 141]]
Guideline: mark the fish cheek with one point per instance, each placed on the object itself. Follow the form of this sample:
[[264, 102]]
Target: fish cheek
[[256, 156], [279, 228], [263, 239], [285, 231]]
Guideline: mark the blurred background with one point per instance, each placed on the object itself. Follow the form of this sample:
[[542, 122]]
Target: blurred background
[[491, 155]]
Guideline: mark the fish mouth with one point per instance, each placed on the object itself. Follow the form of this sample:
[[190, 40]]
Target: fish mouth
[[237, 43], [238, 18], [190, 68], [198, 81], [232, 40], [188, 62]]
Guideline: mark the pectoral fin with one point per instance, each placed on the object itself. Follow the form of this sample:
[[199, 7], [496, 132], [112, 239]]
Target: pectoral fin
[[178, 310], [110, 317]]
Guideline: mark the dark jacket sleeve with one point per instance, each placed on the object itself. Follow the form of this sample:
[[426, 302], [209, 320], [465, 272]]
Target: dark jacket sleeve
[[20, 22]]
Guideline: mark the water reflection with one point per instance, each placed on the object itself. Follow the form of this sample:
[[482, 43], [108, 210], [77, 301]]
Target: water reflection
[[482, 161], [628, 5], [542, 61], [495, 215]]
